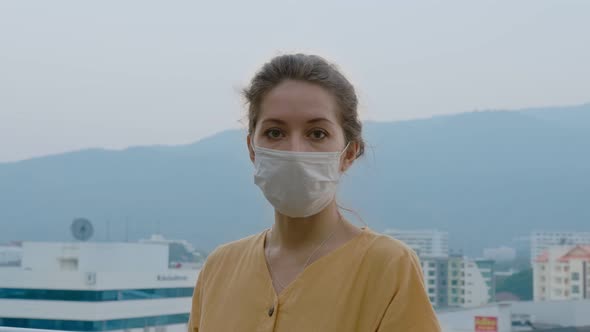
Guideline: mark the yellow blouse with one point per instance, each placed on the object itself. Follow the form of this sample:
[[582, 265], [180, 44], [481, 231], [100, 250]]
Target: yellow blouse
[[371, 283]]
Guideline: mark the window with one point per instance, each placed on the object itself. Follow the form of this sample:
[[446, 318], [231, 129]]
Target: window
[[431, 273], [68, 264], [575, 276], [94, 296], [115, 324], [575, 289]]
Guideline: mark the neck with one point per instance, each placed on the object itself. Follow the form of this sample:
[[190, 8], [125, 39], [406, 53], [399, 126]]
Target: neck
[[299, 233]]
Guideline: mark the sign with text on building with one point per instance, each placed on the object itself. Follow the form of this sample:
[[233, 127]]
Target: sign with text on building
[[486, 324]]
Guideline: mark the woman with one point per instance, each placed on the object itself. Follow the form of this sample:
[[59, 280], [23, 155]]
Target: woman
[[312, 270]]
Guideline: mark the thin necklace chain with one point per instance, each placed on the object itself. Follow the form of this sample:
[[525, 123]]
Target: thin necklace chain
[[267, 252]]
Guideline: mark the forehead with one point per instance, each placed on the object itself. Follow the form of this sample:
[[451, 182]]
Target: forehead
[[293, 101]]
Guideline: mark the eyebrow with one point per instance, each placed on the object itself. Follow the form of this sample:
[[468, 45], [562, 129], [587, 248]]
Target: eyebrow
[[314, 120], [279, 121], [274, 121]]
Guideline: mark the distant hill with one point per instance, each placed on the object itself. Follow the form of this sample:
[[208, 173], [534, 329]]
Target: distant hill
[[486, 177]]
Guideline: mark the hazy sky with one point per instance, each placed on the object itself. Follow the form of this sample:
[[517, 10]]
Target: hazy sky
[[78, 74]]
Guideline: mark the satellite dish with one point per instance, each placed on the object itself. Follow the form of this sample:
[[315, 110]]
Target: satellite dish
[[82, 229]]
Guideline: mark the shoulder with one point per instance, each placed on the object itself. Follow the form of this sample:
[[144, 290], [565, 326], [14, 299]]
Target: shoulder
[[388, 268], [232, 251], [386, 248], [392, 265]]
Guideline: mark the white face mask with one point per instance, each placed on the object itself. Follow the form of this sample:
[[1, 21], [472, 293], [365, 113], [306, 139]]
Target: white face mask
[[297, 184]]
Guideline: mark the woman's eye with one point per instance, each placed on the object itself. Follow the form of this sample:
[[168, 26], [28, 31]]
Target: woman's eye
[[273, 133], [318, 134]]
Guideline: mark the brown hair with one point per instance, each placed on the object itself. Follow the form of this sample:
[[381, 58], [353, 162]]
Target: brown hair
[[312, 69]]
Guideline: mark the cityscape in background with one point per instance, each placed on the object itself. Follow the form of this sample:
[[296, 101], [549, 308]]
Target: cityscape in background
[[82, 285]]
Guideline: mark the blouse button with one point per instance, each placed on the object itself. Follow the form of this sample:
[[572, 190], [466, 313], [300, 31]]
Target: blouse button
[[271, 311]]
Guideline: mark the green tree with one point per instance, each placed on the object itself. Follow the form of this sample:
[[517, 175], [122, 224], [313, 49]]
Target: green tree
[[519, 284]]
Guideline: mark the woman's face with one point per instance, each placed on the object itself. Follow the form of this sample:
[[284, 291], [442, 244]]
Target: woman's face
[[299, 116]]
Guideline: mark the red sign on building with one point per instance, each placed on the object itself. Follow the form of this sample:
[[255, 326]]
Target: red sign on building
[[486, 324]]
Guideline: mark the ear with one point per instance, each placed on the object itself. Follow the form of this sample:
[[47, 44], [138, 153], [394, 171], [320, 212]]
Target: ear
[[250, 148], [349, 156]]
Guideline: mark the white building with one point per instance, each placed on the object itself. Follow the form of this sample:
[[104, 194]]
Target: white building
[[465, 320], [518, 316], [427, 242], [500, 254], [458, 281], [479, 285], [190, 258], [435, 273], [562, 273], [543, 240], [96, 287]]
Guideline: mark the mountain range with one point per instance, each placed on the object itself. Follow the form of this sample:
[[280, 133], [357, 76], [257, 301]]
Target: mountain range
[[487, 177]]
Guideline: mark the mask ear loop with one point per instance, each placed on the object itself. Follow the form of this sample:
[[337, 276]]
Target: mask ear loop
[[340, 207], [253, 146], [342, 152], [345, 148]]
